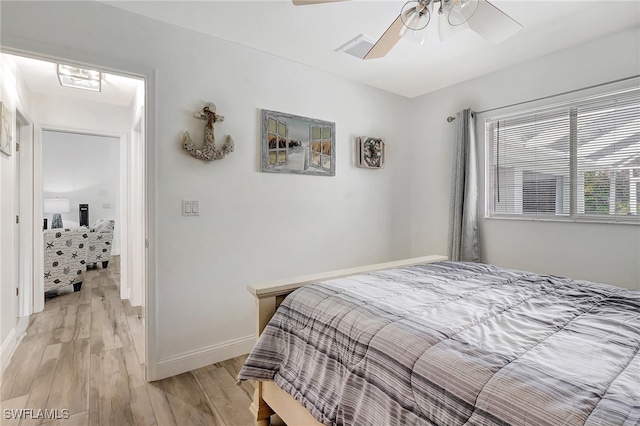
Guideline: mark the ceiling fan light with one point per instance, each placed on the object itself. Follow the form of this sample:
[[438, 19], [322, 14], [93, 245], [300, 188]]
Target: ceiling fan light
[[423, 21], [407, 22], [417, 36], [445, 30], [415, 16], [459, 11]]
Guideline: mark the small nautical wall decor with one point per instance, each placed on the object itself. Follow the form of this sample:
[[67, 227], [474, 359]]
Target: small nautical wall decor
[[208, 152], [370, 152]]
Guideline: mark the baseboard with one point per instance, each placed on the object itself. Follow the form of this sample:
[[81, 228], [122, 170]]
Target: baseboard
[[21, 327], [8, 347], [11, 342], [202, 357]]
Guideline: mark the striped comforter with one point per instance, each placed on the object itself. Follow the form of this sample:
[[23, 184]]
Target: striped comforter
[[456, 344]]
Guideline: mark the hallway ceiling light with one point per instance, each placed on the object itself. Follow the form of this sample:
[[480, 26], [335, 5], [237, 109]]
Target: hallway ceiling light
[[79, 78]]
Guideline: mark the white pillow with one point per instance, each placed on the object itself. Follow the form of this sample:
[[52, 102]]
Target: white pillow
[[103, 225]]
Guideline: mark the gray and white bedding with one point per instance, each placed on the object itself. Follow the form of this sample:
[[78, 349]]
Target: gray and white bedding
[[453, 343]]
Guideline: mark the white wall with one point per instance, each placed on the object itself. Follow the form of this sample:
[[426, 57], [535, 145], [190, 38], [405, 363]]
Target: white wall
[[8, 284], [253, 226], [597, 252], [86, 170], [63, 113]]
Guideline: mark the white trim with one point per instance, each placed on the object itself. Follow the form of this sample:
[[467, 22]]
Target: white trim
[[38, 217], [21, 326], [149, 308], [79, 130], [206, 356], [25, 184], [7, 349], [11, 342], [125, 164], [603, 220]]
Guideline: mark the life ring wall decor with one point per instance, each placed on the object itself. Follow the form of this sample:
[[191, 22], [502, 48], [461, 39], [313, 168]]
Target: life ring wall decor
[[370, 153], [208, 152]]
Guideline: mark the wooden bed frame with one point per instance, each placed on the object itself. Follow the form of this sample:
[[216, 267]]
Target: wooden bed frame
[[268, 397]]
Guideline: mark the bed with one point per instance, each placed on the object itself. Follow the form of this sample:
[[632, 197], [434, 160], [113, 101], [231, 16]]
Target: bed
[[425, 341]]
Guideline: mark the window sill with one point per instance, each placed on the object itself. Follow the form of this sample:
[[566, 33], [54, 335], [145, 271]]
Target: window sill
[[587, 219]]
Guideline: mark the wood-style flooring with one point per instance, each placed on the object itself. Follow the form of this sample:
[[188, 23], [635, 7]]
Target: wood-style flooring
[[85, 353]]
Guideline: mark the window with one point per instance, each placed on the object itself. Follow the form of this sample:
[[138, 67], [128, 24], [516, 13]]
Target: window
[[578, 161], [320, 142], [540, 193], [277, 142]]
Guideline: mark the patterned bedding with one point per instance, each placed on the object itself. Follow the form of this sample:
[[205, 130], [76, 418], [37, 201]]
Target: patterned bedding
[[456, 344]]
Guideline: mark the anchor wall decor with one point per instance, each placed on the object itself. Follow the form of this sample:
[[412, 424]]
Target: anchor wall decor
[[208, 152]]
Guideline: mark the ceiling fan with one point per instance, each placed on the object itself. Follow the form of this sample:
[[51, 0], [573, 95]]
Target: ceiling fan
[[453, 16]]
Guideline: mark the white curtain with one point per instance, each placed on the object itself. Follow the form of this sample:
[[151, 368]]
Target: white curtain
[[463, 207]]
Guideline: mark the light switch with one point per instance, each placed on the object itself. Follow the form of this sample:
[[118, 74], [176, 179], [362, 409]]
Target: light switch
[[186, 208], [190, 208]]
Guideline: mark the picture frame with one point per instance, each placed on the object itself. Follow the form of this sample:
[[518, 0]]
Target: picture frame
[[6, 138], [370, 152], [297, 145]]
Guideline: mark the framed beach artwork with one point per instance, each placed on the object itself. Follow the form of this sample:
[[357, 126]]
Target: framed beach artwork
[[6, 139], [298, 145]]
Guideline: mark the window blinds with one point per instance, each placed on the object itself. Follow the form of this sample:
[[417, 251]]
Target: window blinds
[[573, 160]]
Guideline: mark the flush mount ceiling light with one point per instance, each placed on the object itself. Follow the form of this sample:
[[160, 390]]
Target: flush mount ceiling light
[[453, 16], [79, 78]]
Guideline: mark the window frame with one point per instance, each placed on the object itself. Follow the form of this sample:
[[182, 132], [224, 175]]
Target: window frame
[[571, 107]]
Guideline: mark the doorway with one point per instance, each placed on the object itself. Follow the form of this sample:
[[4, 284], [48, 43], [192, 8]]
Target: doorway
[[53, 112]]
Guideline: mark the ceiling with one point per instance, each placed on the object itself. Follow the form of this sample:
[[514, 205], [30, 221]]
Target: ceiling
[[41, 76], [311, 34]]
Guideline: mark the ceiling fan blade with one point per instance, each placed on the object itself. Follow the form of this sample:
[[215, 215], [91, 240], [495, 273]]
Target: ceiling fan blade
[[389, 39], [492, 23], [306, 2]]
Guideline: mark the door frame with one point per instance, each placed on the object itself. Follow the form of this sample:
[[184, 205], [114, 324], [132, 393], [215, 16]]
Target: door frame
[[133, 207], [94, 60], [25, 212], [38, 216]]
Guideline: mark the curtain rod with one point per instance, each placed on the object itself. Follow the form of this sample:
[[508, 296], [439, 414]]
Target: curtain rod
[[451, 118]]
